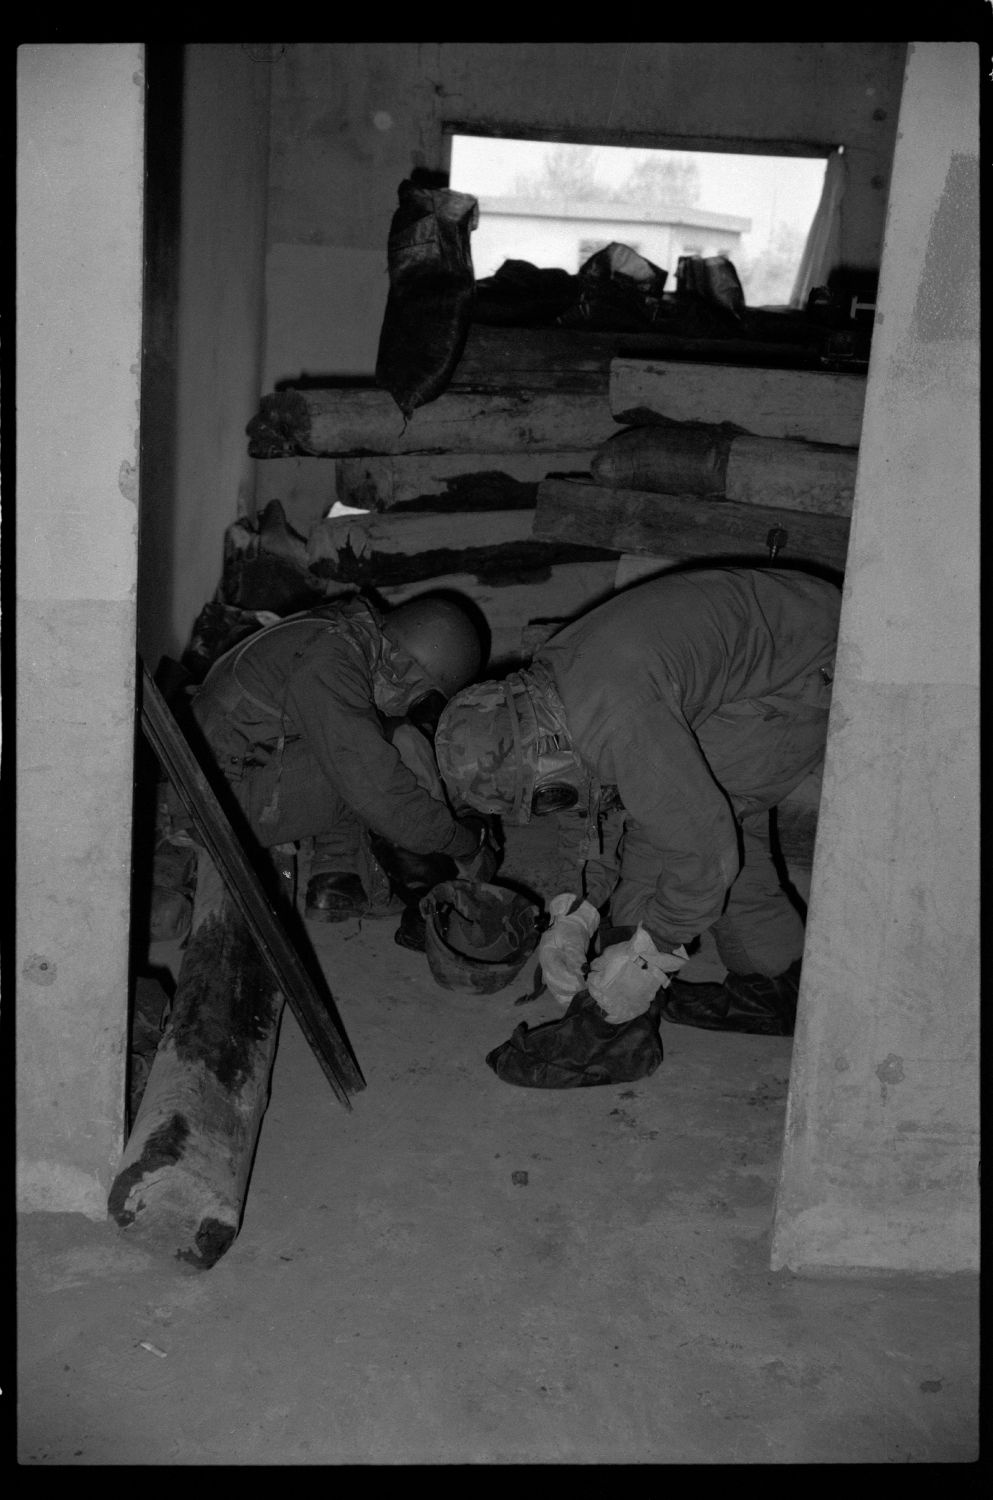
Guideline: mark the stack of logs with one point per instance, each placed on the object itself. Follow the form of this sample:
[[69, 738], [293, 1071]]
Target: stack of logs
[[548, 460], [548, 464], [555, 469]]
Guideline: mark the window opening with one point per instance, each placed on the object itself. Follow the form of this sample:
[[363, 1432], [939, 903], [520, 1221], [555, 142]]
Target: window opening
[[549, 202]]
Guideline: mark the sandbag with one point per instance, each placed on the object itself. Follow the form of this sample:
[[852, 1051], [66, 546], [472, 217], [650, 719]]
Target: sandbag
[[432, 286], [617, 289], [713, 280], [522, 295], [580, 1049], [669, 459]]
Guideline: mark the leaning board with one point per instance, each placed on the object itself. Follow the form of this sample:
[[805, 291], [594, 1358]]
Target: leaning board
[[315, 1012]]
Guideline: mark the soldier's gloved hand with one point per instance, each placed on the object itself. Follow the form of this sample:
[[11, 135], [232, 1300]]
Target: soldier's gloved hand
[[564, 945], [624, 979]]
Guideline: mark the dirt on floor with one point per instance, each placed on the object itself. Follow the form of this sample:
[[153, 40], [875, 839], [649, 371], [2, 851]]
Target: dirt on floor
[[462, 1272]]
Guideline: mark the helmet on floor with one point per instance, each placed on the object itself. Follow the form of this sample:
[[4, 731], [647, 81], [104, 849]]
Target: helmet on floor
[[477, 936], [440, 636]]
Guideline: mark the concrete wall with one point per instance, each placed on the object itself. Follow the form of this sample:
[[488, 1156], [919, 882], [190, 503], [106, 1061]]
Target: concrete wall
[[881, 1154], [351, 120], [79, 253], [208, 146]]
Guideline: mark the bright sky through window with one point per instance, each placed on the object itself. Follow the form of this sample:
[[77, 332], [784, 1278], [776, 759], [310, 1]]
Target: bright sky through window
[[756, 209]]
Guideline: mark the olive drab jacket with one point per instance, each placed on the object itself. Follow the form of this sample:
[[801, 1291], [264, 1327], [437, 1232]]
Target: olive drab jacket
[[308, 684], [700, 697]]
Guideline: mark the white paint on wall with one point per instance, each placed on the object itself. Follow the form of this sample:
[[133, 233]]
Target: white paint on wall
[[77, 356], [79, 256]]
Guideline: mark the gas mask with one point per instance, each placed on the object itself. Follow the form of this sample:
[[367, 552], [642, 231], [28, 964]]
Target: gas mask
[[399, 682], [560, 781]]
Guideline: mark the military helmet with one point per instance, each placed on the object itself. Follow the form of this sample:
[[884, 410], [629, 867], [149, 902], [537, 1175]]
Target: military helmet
[[477, 936], [496, 740], [441, 638]]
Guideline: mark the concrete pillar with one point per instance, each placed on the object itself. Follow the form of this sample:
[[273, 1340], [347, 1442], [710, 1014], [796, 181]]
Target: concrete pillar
[[79, 260], [207, 203], [881, 1154]]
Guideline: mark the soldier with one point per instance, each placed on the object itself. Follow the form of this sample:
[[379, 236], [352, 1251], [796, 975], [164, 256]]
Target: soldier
[[321, 726], [661, 727]]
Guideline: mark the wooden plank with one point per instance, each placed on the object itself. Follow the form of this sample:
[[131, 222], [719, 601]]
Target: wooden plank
[[498, 356], [819, 406], [312, 1005], [458, 481], [533, 359], [685, 526], [358, 420]]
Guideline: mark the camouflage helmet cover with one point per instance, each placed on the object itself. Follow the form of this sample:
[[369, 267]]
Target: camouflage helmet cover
[[491, 738]]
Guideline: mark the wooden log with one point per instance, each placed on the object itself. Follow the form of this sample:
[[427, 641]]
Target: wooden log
[[676, 458], [359, 420], [816, 406], [181, 1183], [451, 481], [396, 549], [534, 359], [814, 477], [496, 357], [683, 526]]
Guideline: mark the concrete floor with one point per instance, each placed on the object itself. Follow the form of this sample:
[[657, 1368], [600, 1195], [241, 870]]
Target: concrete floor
[[400, 1295]]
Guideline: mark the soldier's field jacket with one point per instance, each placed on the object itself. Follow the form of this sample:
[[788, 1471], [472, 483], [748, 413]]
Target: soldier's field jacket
[[703, 697]]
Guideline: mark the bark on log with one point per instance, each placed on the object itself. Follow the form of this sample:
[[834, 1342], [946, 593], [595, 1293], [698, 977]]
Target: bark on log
[[677, 458], [451, 481], [489, 545], [814, 477], [181, 1184], [815, 406], [684, 526], [358, 420]]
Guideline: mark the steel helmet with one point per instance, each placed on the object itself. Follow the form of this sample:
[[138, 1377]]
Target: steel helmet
[[440, 636], [477, 936], [497, 742]]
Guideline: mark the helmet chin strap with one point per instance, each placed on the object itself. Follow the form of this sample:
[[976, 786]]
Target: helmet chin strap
[[520, 780]]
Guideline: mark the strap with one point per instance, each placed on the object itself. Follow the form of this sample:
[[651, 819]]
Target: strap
[[515, 729]]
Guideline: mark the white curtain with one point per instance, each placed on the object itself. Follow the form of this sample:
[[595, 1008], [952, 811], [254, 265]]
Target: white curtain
[[822, 251]]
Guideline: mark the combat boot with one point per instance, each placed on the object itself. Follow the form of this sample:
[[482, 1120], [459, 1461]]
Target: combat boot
[[334, 897], [744, 1002]]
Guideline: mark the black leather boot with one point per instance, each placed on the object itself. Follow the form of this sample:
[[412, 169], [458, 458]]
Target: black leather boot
[[334, 898], [744, 1002], [411, 876]]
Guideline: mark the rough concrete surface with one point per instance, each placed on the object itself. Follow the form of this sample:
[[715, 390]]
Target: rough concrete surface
[[463, 1272]]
